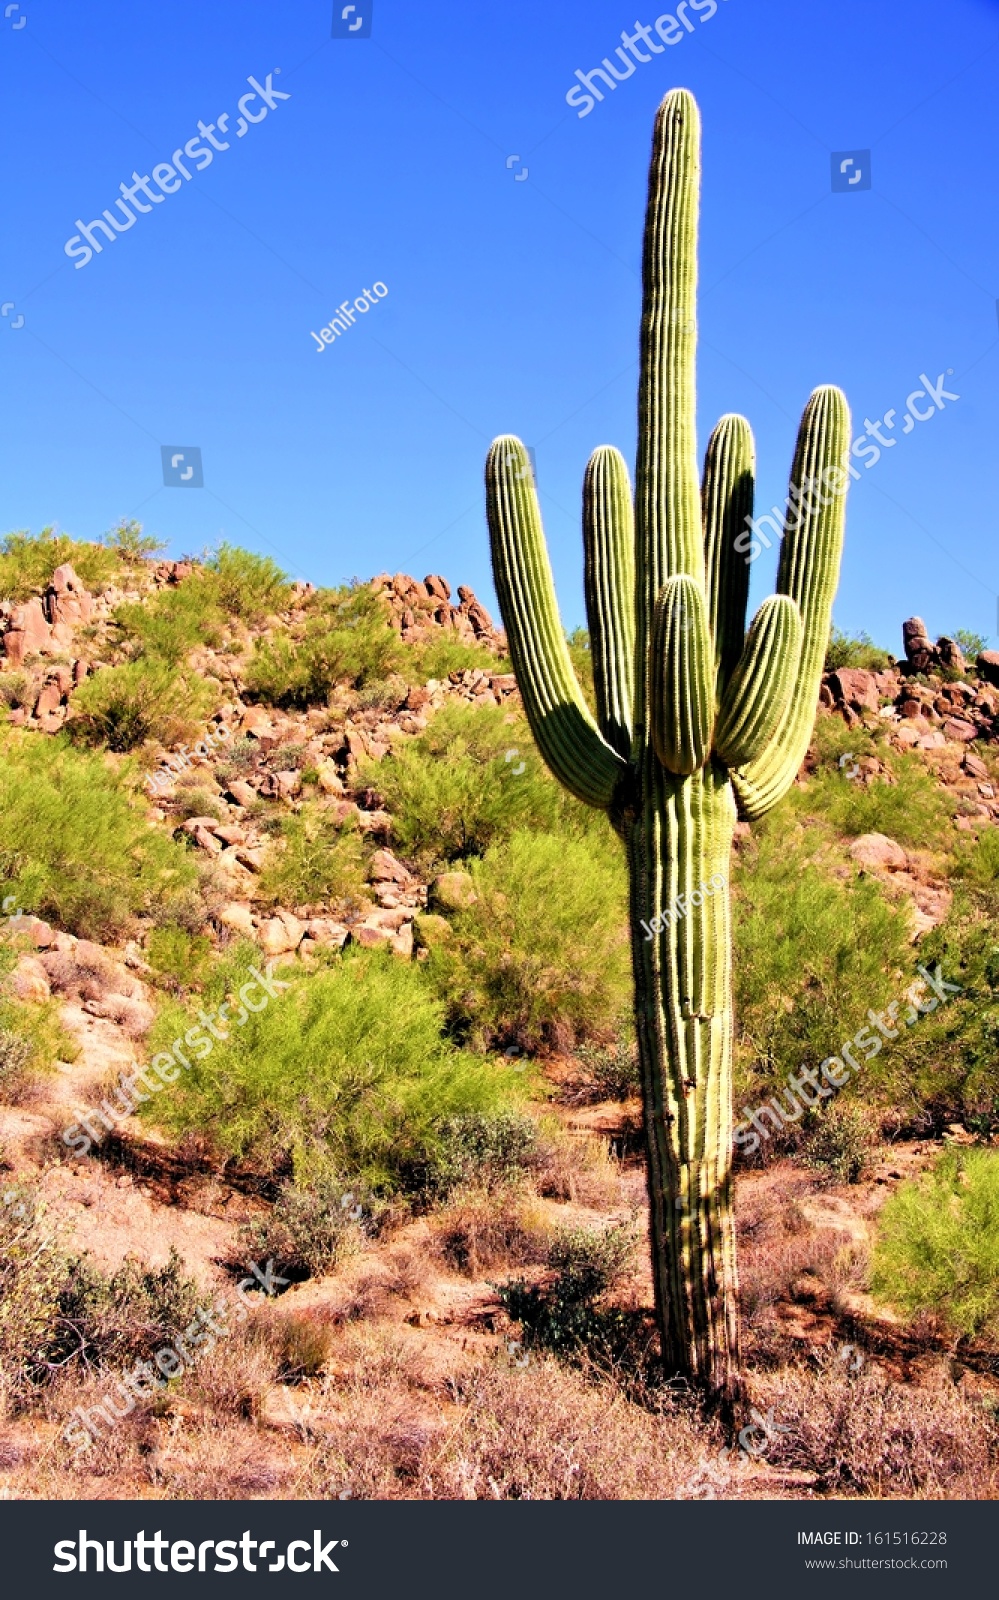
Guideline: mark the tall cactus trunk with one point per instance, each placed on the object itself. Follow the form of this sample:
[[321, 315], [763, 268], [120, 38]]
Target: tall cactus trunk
[[692, 716], [683, 1009]]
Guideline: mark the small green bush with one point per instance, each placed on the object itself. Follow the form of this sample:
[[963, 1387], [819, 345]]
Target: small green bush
[[564, 1314], [177, 955], [814, 947], [938, 1244], [74, 844], [15, 688], [32, 1273], [908, 804], [944, 1070], [459, 787], [109, 1319], [542, 957], [977, 861], [28, 560], [177, 621], [314, 861], [838, 1141], [15, 1053], [311, 1229], [345, 639], [972, 644], [245, 585], [130, 544], [490, 1150], [441, 655], [856, 650], [613, 1068], [346, 1071], [122, 707]]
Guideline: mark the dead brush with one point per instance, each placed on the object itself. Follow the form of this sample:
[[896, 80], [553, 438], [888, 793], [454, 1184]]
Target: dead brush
[[233, 1377], [536, 1433], [575, 1167], [478, 1231], [864, 1434]]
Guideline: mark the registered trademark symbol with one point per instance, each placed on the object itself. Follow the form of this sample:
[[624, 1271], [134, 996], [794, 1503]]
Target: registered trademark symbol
[[343, 1544]]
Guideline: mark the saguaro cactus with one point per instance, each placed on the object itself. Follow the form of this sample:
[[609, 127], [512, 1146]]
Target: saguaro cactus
[[696, 720]]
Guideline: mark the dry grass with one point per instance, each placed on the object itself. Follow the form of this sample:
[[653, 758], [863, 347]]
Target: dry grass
[[577, 1168], [866, 1435], [480, 1231]]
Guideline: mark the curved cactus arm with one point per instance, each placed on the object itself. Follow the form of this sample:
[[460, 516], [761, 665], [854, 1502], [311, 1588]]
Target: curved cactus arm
[[563, 728], [760, 689], [808, 571], [727, 486], [683, 679], [669, 538], [609, 545]]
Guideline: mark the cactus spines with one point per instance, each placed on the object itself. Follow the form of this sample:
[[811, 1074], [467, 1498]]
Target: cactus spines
[[609, 544], [694, 715]]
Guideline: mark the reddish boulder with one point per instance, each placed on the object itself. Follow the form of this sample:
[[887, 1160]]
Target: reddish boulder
[[66, 599], [28, 633], [987, 666], [853, 687], [437, 587]]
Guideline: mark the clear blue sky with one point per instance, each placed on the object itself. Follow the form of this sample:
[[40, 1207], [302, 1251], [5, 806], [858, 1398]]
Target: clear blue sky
[[512, 305]]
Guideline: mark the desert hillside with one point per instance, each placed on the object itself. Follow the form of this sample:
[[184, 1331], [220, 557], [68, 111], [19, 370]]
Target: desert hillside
[[319, 1113]]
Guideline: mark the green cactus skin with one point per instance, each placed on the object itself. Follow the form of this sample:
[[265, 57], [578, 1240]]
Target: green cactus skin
[[694, 719]]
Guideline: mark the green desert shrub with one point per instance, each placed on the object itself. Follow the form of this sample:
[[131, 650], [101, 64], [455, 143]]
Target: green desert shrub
[[972, 644], [345, 639], [130, 544], [314, 861], [937, 1250], [459, 787], [28, 560], [345, 1071], [906, 803], [32, 1274], [111, 1318], [976, 862], [541, 959], [856, 650], [814, 946], [837, 1140], [246, 585], [440, 655], [179, 957], [175, 622], [944, 1070], [564, 1314], [15, 688], [76, 845], [489, 1150], [309, 1231], [122, 707]]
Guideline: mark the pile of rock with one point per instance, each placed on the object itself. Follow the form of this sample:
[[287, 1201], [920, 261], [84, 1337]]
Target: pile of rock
[[959, 707], [415, 609]]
